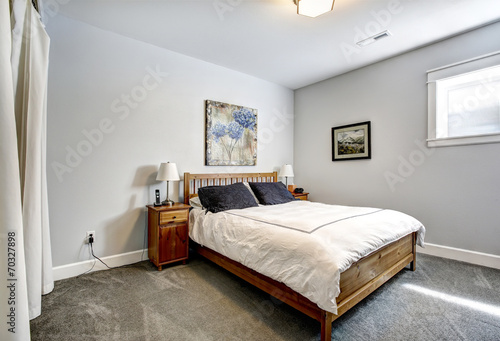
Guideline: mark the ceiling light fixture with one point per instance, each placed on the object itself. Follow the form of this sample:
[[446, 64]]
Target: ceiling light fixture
[[372, 39], [313, 8]]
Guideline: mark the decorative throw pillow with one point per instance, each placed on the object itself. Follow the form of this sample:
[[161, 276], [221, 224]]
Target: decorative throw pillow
[[195, 202], [271, 193], [221, 198]]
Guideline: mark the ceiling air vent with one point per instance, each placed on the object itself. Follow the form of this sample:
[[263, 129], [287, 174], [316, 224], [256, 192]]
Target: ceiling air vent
[[374, 38]]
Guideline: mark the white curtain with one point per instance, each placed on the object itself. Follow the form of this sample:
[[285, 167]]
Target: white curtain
[[24, 47]]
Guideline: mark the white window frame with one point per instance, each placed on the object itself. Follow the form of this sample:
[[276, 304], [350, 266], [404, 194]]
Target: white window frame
[[471, 65]]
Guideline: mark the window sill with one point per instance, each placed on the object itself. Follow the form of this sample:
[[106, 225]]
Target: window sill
[[463, 140]]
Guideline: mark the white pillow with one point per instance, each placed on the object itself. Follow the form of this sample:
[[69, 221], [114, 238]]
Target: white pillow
[[247, 185], [195, 202]]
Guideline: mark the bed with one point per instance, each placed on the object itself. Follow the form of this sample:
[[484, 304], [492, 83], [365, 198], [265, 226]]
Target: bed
[[354, 282]]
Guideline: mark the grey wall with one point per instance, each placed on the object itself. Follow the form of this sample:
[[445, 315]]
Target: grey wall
[[117, 108], [454, 191]]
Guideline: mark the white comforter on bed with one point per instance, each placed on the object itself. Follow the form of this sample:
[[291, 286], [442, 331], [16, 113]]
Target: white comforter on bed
[[303, 244]]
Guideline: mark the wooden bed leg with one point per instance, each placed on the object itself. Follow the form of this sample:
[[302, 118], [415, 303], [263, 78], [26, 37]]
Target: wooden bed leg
[[326, 326], [413, 264]]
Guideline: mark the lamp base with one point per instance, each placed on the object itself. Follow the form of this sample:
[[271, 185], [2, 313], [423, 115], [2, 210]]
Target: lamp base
[[168, 202]]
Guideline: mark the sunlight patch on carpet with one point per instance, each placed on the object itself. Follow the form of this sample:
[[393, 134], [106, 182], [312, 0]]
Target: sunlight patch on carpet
[[475, 305]]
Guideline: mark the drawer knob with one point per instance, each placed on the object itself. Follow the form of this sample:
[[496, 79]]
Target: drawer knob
[[175, 217]]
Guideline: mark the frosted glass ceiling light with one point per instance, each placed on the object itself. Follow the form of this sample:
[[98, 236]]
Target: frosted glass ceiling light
[[313, 8]]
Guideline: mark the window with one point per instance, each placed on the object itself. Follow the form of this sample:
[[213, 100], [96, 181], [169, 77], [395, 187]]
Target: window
[[464, 102]]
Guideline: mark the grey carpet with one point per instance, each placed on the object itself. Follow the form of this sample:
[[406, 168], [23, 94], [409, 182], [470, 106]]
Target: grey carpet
[[200, 301]]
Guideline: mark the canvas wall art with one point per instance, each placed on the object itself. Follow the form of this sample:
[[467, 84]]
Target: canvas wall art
[[231, 135], [351, 142]]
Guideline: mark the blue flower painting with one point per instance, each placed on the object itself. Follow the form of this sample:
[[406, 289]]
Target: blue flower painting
[[231, 138]]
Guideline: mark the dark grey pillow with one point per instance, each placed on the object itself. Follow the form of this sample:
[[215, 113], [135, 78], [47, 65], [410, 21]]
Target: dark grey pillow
[[271, 193], [221, 198]]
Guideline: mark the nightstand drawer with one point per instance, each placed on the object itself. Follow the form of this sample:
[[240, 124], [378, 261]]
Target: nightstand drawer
[[173, 216]]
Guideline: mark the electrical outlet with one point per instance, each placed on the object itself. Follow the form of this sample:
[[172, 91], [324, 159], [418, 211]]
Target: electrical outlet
[[88, 235]]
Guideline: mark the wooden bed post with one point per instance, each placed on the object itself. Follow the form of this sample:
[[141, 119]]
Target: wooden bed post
[[326, 326], [186, 188]]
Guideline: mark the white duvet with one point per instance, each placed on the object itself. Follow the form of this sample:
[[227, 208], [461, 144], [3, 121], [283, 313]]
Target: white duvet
[[302, 244]]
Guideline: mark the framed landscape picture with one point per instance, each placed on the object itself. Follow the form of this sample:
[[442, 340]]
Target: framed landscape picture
[[231, 136], [351, 142]]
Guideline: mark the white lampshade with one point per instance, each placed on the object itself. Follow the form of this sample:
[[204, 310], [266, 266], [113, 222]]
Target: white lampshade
[[286, 171], [314, 8], [168, 172]]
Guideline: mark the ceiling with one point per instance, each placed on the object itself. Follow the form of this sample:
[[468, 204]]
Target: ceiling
[[268, 40]]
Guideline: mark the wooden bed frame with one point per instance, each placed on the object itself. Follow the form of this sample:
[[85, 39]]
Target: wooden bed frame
[[356, 283]]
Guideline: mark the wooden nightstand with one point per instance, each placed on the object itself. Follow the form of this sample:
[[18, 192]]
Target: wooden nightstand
[[301, 196], [168, 234]]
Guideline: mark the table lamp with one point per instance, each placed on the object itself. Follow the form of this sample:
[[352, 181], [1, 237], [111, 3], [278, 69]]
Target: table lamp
[[168, 172], [286, 171]]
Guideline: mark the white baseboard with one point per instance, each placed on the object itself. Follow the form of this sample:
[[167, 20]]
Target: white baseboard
[[473, 257], [75, 269]]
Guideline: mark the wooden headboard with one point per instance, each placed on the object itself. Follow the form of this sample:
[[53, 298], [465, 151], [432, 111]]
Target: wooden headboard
[[194, 181]]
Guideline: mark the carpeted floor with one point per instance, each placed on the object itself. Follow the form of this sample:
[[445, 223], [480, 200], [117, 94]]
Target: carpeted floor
[[442, 300]]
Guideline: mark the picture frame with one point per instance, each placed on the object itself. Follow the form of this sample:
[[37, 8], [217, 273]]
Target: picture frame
[[231, 135], [351, 142]]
